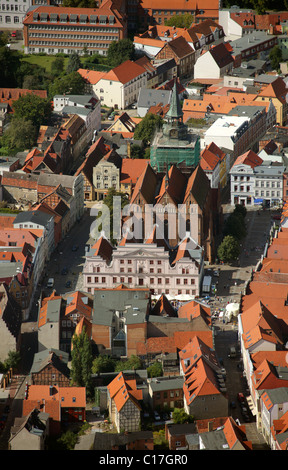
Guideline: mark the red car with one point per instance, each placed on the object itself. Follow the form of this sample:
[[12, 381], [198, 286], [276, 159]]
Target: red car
[[241, 398]]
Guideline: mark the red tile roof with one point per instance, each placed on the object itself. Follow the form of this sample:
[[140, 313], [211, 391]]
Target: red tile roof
[[248, 158], [125, 72], [122, 390]]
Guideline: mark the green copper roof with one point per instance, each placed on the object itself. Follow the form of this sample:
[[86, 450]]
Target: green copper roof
[[175, 110]]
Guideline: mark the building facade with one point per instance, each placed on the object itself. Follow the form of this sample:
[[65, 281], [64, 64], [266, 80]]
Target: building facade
[[58, 29], [12, 14], [144, 265]]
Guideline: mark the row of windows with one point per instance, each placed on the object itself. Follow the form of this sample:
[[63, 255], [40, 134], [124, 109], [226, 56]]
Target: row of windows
[[7, 19], [31, 50], [102, 280], [74, 28], [70, 36], [69, 44], [13, 8], [267, 193]]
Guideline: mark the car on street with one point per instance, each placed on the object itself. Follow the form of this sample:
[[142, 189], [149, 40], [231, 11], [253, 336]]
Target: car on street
[[50, 282], [75, 247], [156, 416], [64, 271], [68, 284], [240, 397], [233, 404]]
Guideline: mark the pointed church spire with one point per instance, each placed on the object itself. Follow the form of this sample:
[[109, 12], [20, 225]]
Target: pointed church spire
[[175, 110]]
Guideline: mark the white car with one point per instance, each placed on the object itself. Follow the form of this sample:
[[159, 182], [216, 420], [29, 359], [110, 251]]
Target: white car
[[156, 416], [50, 282]]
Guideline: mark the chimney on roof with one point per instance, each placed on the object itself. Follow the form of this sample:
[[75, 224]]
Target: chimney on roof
[[210, 426]]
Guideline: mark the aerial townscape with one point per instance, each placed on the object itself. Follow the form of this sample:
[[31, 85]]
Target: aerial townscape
[[143, 227]]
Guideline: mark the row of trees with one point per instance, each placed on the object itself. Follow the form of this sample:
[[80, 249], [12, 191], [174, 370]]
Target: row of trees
[[260, 6], [234, 231]]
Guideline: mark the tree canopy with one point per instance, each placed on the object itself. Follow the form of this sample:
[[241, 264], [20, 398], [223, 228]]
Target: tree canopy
[[275, 57], [120, 51], [20, 135], [10, 64], [229, 249], [81, 361], [70, 84], [32, 108], [181, 21], [74, 63], [145, 129]]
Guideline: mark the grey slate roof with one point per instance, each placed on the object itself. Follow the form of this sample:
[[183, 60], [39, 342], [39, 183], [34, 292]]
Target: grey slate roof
[[134, 303], [160, 384], [150, 97], [105, 441], [35, 217]]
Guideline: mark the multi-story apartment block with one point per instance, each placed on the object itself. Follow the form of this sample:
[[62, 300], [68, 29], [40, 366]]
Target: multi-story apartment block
[[58, 29], [254, 181]]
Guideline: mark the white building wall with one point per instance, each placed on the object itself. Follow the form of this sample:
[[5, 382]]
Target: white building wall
[[12, 13]]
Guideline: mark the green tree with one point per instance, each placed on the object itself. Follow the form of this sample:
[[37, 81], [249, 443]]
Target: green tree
[[235, 226], [137, 151], [103, 364], [32, 108], [10, 61], [120, 51], [12, 360], [57, 66], [180, 416], [74, 63], [145, 129], [240, 209], [155, 370], [71, 84], [275, 56], [133, 363], [229, 249], [180, 21], [67, 441], [81, 361], [20, 135]]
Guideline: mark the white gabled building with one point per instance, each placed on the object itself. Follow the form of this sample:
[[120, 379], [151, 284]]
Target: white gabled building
[[118, 88]]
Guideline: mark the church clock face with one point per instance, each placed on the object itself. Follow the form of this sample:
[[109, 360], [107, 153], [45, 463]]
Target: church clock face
[[173, 133]]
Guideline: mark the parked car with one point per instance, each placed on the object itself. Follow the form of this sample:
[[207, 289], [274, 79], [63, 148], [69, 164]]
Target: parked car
[[64, 271], [233, 404], [240, 397], [156, 416], [50, 282], [244, 410], [68, 284], [75, 247], [216, 273]]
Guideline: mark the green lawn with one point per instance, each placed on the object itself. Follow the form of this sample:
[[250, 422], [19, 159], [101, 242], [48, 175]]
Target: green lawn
[[44, 61]]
